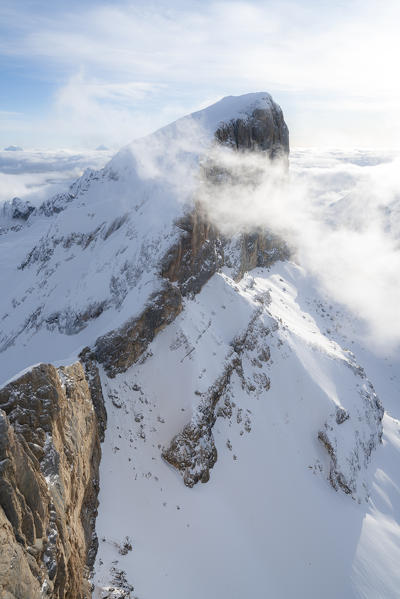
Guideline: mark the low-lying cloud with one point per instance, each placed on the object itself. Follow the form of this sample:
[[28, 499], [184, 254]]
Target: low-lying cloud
[[36, 174], [340, 212]]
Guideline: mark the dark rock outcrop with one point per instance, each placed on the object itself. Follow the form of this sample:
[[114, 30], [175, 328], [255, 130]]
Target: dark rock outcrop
[[197, 255], [96, 392], [192, 451], [119, 349], [49, 481], [254, 250], [263, 130], [17, 209]]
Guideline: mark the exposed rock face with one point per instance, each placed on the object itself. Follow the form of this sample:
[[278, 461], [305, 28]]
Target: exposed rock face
[[192, 451], [96, 393], [16, 577], [17, 209], [197, 255], [49, 456], [263, 130], [345, 462], [201, 249], [253, 250], [119, 349]]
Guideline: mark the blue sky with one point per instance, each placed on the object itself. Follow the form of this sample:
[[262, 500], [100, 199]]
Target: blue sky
[[78, 74]]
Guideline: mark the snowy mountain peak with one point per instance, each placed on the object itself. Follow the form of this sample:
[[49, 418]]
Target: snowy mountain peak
[[88, 260], [232, 107], [202, 354], [249, 110]]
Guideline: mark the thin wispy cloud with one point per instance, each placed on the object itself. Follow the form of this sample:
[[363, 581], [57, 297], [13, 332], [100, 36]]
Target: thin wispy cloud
[[121, 63]]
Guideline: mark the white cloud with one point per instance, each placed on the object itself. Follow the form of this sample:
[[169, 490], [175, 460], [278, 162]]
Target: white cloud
[[341, 214], [36, 174], [282, 43], [122, 64]]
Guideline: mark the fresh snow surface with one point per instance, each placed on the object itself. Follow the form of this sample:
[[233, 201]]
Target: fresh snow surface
[[229, 108], [267, 524]]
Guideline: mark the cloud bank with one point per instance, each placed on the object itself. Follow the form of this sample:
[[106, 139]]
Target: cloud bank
[[340, 212], [34, 175]]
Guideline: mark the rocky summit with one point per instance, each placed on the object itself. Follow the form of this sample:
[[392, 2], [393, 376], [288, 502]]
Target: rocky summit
[[149, 344]]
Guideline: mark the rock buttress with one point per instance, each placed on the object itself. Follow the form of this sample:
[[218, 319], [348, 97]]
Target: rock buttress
[[49, 481], [119, 349], [264, 129]]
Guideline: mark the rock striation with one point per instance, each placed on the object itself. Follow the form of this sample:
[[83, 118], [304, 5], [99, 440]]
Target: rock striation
[[262, 130], [197, 255], [49, 480]]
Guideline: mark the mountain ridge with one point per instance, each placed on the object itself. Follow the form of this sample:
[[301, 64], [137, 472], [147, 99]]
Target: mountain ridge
[[199, 356]]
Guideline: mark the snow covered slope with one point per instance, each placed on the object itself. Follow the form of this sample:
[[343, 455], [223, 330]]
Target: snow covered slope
[[267, 524], [88, 259], [221, 363]]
